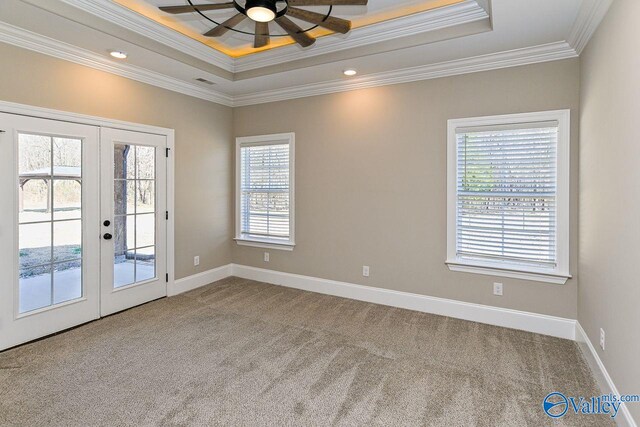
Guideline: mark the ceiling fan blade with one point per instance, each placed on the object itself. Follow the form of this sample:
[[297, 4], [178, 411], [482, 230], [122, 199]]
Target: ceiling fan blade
[[262, 35], [332, 23], [201, 7], [302, 38], [226, 25], [328, 2]]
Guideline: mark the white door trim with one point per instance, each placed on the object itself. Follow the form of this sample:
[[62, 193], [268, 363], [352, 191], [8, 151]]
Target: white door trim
[[66, 116]]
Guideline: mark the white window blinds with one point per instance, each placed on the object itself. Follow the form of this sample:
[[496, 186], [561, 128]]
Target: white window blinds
[[507, 193], [265, 191]]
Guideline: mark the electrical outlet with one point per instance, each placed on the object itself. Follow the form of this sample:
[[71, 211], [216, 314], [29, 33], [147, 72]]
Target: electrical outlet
[[365, 270], [602, 338], [497, 289], [266, 257], [196, 261]]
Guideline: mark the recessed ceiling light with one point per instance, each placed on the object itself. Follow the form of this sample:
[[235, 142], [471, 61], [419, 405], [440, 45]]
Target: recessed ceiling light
[[118, 54], [350, 73]]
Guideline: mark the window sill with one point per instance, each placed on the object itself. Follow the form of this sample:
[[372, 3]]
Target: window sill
[[490, 270], [267, 244]]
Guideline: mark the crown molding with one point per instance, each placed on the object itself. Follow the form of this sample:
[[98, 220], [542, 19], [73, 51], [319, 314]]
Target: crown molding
[[512, 58], [120, 15], [32, 41], [432, 20], [38, 43], [589, 18]]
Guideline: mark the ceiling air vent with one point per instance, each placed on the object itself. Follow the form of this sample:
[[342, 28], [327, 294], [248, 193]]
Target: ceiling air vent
[[201, 80]]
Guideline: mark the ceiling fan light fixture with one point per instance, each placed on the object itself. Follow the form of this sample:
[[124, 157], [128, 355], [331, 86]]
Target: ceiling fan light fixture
[[261, 10]]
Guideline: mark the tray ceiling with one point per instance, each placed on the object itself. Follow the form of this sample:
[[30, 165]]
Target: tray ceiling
[[237, 45], [449, 38]]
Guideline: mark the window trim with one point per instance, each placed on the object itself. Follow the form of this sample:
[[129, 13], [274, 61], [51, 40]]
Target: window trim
[[267, 243], [560, 273]]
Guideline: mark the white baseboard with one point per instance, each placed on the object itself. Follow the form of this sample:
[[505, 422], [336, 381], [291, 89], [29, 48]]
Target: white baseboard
[[624, 418], [522, 320], [197, 280], [532, 322]]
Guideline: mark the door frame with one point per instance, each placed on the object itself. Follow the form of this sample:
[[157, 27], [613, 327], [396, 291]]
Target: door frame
[[100, 122]]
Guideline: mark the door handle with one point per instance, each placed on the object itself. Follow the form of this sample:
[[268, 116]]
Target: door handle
[[107, 236]]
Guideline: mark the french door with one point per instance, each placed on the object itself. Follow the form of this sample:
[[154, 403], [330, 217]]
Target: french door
[[81, 224], [133, 219]]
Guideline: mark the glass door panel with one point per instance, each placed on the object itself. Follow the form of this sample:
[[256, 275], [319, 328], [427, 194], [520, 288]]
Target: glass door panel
[[134, 214], [50, 220]]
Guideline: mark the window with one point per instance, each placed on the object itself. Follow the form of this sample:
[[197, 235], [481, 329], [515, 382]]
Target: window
[[265, 191], [508, 196]]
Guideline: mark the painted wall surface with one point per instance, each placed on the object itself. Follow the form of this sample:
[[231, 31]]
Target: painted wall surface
[[371, 176], [609, 293], [371, 181], [370, 170], [203, 156]]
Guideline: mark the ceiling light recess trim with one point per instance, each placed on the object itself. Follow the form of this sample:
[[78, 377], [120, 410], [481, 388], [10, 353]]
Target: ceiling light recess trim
[[118, 54]]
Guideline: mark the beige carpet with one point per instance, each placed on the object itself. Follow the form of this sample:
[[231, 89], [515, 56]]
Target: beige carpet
[[244, 353]]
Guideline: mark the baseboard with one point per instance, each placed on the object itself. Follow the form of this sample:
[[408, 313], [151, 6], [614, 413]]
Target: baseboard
[[532, 322], [197, 280], [515, 319], [522, 320], [624, 418]]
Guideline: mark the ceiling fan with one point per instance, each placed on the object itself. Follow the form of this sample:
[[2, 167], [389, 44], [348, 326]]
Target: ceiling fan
[[262, 12]]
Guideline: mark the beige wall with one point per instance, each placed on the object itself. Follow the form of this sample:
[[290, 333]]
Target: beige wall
[[371, 181], [371, 175], [203, 135], [371, 169], [609, 295]]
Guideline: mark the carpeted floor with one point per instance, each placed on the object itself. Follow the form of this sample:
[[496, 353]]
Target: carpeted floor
[[244, 353]]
